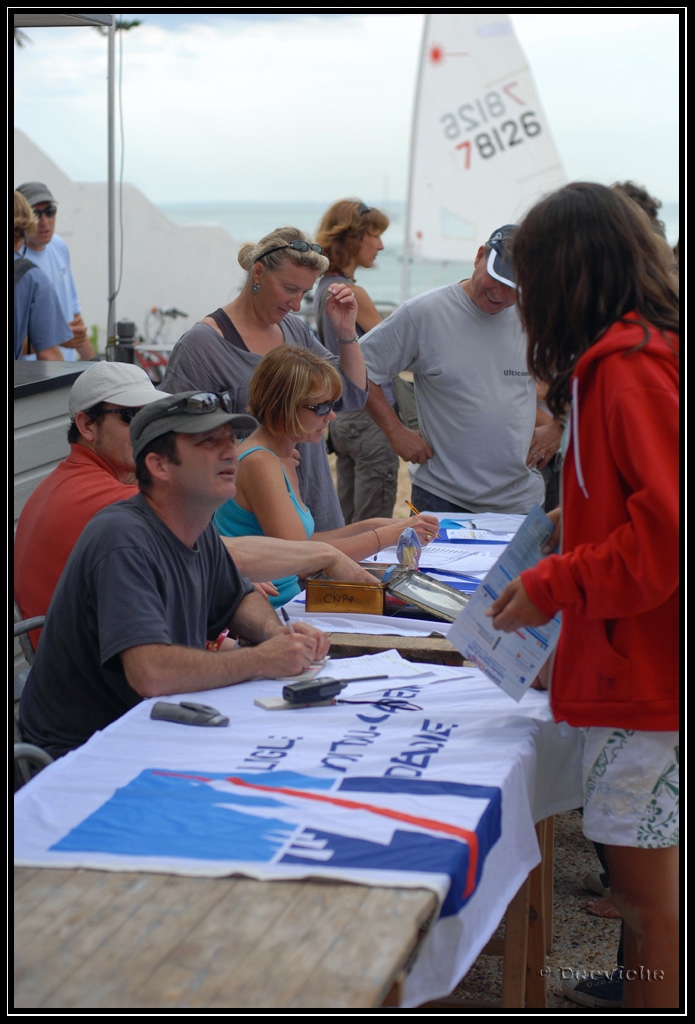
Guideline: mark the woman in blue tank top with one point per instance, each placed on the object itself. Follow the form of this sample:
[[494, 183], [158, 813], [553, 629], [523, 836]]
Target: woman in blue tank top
[[292, 394]]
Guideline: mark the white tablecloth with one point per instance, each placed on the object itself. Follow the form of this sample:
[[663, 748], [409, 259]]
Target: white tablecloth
[[444, 797]]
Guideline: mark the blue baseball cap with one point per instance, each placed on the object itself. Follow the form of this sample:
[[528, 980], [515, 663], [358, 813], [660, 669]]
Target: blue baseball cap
[[499, 264]]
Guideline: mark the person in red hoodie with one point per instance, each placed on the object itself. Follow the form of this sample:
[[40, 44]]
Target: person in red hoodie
[[600, 307]]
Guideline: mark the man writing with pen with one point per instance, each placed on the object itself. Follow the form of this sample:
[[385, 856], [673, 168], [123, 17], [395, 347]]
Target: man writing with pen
[[150, 582]]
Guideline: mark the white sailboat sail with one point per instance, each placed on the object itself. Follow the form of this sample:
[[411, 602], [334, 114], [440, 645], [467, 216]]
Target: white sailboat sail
[[481, 149]]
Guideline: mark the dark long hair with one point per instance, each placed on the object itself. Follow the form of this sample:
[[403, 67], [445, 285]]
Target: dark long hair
[[585, 257]]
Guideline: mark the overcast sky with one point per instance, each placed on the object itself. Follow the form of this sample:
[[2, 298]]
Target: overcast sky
[[309, 106]]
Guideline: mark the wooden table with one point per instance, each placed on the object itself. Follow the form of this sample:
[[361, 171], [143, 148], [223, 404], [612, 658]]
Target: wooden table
[[117, 940], [129, 941]]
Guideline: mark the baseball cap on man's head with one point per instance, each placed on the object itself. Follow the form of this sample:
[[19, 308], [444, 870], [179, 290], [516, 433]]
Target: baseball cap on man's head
[[499, 264], [192, 412], [36, 192], [120, 383]]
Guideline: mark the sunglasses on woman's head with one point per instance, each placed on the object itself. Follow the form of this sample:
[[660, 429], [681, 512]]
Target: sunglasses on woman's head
[[299, 246]]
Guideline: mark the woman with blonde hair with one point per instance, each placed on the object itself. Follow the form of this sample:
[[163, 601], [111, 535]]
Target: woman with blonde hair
[[292, 394], [221, 352], [367, 467]]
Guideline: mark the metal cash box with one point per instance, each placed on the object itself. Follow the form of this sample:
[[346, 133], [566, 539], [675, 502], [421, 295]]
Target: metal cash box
[[406, 585]]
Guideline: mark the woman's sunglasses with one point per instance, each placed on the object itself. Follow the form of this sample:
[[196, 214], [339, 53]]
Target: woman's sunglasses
[[322, 409], [299, 246]]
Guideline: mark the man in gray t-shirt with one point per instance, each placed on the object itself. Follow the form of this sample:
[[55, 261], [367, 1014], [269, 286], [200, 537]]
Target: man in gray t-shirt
[[149, 586], [476, 450]]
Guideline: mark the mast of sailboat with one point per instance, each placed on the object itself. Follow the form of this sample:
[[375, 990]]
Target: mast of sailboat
[[407, 248]]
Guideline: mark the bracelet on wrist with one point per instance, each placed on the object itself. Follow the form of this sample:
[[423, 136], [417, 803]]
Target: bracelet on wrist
[[214, 645], [349, 341], [378, 542]]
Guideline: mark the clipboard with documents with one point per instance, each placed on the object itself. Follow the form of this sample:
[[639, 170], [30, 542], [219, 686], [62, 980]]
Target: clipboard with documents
[[511, 660]]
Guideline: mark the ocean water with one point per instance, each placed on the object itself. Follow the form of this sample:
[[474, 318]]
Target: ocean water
[[248, 222]]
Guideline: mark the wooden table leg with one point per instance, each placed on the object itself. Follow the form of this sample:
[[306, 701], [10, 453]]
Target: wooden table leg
[[540, 919], [515, 949], [536, 985], [548, 854]]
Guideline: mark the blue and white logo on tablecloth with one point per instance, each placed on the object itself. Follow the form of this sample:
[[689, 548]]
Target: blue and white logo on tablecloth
[[377, 824]]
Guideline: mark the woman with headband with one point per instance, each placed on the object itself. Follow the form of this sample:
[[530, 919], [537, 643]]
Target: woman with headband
[[367, 466], [221, 352]]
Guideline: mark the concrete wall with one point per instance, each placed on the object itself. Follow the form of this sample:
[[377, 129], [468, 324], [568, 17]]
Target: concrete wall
[[40, 440], [164, 264], [40, 443]]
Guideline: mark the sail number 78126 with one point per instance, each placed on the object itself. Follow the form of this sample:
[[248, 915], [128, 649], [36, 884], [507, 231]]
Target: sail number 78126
[[505, 136], [491, 107]]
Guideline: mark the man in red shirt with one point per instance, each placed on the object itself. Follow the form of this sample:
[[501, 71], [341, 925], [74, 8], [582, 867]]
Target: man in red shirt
[[100, 471]]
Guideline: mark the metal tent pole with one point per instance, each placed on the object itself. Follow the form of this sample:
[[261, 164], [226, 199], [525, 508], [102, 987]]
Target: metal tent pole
[[111, 188]]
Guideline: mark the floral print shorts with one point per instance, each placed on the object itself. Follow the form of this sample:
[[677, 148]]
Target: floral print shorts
[[631, 787]]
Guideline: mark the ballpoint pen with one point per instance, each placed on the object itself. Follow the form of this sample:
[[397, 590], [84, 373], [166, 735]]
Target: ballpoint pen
[[287, 620]]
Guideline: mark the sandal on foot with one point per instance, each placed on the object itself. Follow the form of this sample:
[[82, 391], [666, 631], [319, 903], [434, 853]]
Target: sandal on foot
[[594, 880]]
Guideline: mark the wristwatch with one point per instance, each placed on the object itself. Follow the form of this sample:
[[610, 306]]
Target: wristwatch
[[348, 341]]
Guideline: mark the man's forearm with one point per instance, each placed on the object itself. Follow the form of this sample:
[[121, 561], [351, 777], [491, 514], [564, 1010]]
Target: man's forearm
[[159, 670], [381, 412], [408, 444], [266, 558], [155, 670], [256, 620]]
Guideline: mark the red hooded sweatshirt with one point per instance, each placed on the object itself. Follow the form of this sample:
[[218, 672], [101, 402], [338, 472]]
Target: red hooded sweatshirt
[[617, 579]]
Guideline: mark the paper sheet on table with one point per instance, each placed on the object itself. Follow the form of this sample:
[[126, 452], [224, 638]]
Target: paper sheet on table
[[378, 625], [511, 660], [459, 557], [463, 535], [498, 522], [390, 663], [456, 557]]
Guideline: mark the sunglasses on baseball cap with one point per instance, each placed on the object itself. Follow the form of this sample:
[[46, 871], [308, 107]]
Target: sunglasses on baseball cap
[[193, 412]]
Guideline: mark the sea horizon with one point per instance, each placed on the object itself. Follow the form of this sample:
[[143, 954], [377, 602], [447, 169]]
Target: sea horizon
[[250, 221]]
